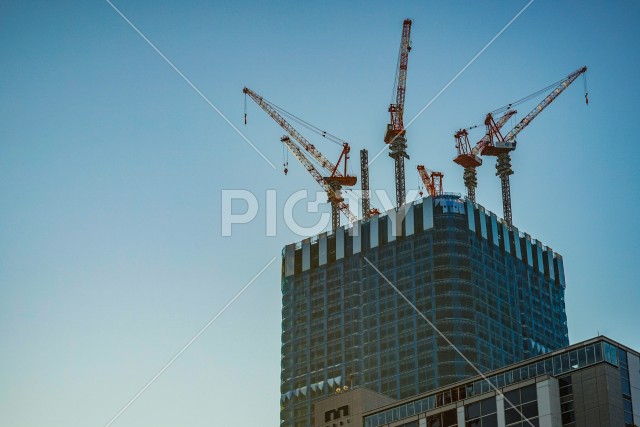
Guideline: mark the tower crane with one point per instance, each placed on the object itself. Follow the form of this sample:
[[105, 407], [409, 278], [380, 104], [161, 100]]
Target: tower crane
[[334, 179], [469, 158], [500, 146], [395, 134], [333, 191], [432, 181]]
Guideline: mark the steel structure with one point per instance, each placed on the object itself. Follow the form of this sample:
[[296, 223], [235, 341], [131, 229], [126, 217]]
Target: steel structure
[[364, 183], [333, 181], [395, 134], [500, 146], [329, 185], [469, 158], [432, 181]]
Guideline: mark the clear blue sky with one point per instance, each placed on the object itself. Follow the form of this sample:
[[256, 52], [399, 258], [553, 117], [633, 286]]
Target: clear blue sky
[[112, 168]]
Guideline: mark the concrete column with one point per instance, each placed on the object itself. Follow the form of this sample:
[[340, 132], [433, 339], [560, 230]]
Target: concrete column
[[483, 224], [408, 220], [527, 243], [494, 229], [506, 238], [306, 254], [634, 379], [539, 250], [289, 260], [339, 243], [516, 242], [549, 403], [500, 410], [561, 271], [356, 236], [460, 410], [322, 249], [392, 231], [552, 271], [427, 213], [471, 216]]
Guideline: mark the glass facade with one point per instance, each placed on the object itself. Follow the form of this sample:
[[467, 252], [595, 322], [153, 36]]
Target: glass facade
[[482, 414], [626, 388], [553, 365], [468, 273], [560, 365], [523, 408]]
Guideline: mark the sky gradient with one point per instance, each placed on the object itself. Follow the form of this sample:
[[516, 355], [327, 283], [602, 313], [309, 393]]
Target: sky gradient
[[112, 169]]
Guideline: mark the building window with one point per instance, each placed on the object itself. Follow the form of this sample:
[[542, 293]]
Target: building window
[[626, 388], [610, 354], [444, 419], [566, 401], [521, 407], [482, 413]]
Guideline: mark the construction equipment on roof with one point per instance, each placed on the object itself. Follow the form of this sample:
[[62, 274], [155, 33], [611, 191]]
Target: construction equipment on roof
[[330, 185], [395, 134], [334, 179], [432, 181], [367, 210], [469, 157], [364, 184], [500, 146]]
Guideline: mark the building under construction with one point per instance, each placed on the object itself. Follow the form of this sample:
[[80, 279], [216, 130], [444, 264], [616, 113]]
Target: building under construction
[[421, 296], [494, 292]]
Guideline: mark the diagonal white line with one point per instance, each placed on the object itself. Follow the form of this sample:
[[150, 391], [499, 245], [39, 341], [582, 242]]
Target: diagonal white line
[[452, 345], [471, 61], [186, 79], [188, 344]]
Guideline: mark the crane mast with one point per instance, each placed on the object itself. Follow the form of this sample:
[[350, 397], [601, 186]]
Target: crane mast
[[501, 147], [364, 183], [469, 158], [395, 134]]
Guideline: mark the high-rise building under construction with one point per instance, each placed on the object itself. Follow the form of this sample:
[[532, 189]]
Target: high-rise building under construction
[[494, 292]]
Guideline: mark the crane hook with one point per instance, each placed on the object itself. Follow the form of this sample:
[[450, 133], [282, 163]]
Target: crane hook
[[245, 108]]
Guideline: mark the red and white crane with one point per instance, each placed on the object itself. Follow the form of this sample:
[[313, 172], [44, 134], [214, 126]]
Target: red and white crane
[[493, 143], [395, 134], [432, 181], [334, 179], [469, 157], [501, 147]]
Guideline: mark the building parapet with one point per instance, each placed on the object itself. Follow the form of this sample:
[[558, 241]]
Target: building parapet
[[386, 227]]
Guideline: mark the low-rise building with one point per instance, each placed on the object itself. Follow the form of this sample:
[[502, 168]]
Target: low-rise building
[[592, 383]]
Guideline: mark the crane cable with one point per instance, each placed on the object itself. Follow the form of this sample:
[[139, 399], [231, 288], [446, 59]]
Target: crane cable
[[526, 98], [336, 140], [285, 159], [586, 91], [537, 93]]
